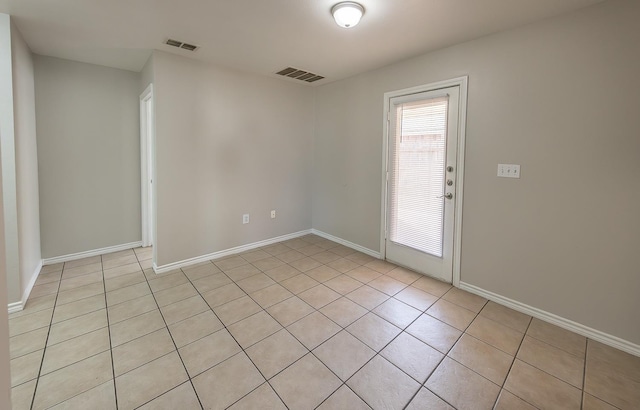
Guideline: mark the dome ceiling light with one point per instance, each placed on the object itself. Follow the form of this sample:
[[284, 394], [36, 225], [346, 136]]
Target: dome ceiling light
[[347, 14]]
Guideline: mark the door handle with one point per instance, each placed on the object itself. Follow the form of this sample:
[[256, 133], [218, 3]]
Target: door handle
[[448, 195]]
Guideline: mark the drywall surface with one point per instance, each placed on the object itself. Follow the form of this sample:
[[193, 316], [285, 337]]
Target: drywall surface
[[560, 98], [24, 107], [88, 155], [228, 144]]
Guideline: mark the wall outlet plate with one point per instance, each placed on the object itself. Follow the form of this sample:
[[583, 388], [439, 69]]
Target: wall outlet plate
[[273, 214], [245, 219], [509, 170]]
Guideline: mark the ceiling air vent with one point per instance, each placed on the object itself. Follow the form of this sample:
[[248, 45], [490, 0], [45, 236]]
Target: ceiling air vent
[[180, 44], [299, 74]]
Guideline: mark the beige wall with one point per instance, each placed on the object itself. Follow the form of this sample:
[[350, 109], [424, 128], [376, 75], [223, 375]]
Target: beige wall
[[560, 98], [227, 144], [26, 161], [89, 156]]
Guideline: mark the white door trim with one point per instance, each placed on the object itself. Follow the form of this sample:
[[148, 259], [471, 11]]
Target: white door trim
[[461, 82], [146, 163]]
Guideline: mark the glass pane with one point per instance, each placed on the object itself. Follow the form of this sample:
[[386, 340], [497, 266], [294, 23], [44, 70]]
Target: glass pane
[[417, 173]]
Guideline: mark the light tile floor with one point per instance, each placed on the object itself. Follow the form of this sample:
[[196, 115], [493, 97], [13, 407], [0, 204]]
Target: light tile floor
[[301, 324]]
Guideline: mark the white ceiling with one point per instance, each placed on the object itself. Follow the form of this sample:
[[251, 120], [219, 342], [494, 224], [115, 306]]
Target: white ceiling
[[264, 36]]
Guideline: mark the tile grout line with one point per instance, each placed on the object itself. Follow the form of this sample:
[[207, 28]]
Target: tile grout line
[[44, 351], [106, 308], [515, 357], [172, 339]]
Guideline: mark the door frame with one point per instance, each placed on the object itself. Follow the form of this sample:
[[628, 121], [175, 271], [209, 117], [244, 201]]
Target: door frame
[[147, 168], [461, 82]]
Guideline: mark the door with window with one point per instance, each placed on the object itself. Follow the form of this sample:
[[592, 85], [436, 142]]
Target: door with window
[[421, 180]]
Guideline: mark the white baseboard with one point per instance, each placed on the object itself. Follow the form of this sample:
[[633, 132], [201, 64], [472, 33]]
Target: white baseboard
[[18, 306], [346, 243], [94, 252], [227, 252], [575, 327]]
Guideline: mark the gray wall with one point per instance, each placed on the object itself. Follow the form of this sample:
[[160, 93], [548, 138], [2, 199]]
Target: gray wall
[[26, 161], [228, 143], [560, 98], [88, 156]]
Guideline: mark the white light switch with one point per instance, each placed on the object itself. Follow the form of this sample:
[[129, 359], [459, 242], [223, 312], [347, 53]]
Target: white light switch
[[509, 170]]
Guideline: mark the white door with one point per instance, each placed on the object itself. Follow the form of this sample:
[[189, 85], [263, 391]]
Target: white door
[[421, 180]]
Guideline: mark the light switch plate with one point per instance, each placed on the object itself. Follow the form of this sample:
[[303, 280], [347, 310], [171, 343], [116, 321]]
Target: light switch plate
[[509, 170]]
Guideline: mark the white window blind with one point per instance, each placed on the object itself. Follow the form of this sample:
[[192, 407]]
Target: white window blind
[[417, 173]]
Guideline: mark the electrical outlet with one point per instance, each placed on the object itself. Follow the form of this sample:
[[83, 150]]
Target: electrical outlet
[[509, 170], [273, 214], [245, 219]]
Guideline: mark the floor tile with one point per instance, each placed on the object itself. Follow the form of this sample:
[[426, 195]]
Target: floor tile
[[167, 282], [405, 276], [290, 310], [425, 399], [182, 397], [415, 297], [194, 328], [121, 270], [412, 356], [223, 294], [128, 293], [325, 257], [149, 381], [81, 270], [343, 284], [451, 314], [382, 385], [558, 337], [253, 329], [22, 395], [344, 354], [78, 308], [207, 352], [299, 283], [227, 382], [593, 403], [230, 262], [68, 284], [261, 398], [319, 296], [367, 297], [255, 282], [362, 273], [374, 331], [75, 350], [28, 342], [482, 358], [267, 264], [314, 329], [45, 289], [142, 350], [200, 271], [237, 310], [497, 335], [102, 397], [307, 375], [381, 265], [117, 255], [311, 250], [342, 265], [35, 305], [505, 316], [175, 294], [243, 272], [127, 330], [276, 352], [44, 278], [79, 293], [282, 273], [25, 368], [255, 255], [387, 285], [433, 286], [397, 313], [552, 360], [509, 401], [211, 282], [465, 299], [541, 389], [27, 323], [184, 309], [75, 263], [343, 311], [70, 381], [119, 261], [271, 295], [435, 333], [360, 258], [77, 326], [323, 273], [344, 398], [290, 256], [276, 249], [131, 308], [461, 387], [306, 264]]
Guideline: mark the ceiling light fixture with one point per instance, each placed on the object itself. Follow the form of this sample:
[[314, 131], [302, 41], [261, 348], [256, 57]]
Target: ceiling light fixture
[[347, 14]]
